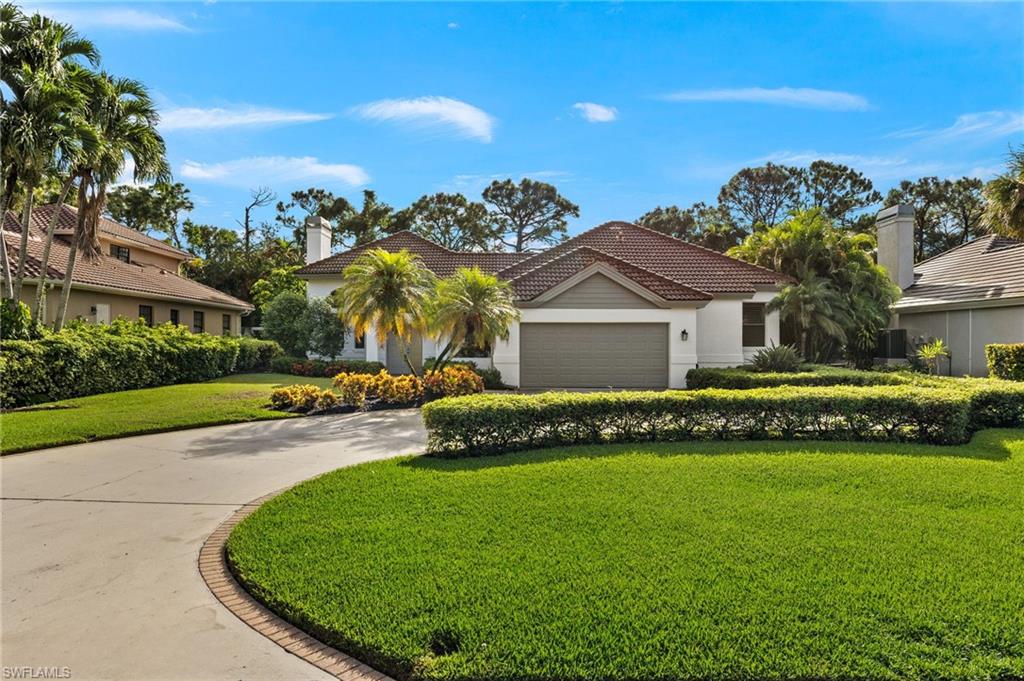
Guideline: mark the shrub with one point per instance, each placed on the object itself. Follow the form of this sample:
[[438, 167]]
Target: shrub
[[16, 321], [285, 321], [492, 424], [298, 366], [743, 378], [491, 376], [354, 388], [397, 390], [86, 359], [1005, 360], [302, 398], [255, 354], [452, 381], [776, 359], [932, 353]]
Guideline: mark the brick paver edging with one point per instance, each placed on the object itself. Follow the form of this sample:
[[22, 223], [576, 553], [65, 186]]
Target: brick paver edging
[[213, 566]]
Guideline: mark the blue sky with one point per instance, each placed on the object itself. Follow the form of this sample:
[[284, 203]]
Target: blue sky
[[622, 106]]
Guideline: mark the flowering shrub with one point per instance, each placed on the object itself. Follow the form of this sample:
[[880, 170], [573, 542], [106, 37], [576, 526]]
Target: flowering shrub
[[299, 366], [453, 381]]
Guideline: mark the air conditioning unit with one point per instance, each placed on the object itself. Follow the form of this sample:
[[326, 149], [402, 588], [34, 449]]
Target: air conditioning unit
[[892, 344]]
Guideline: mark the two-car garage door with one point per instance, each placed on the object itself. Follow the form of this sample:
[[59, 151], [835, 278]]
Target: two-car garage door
[[593, 355]]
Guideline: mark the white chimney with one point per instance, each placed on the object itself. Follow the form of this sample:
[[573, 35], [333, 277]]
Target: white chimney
[[318, 238], [895, 226]]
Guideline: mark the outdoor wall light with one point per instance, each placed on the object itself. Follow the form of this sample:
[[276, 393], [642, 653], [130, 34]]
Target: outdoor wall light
[[685, 335]]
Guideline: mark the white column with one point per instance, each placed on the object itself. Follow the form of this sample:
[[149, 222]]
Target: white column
[[374, 351], [506, 356]]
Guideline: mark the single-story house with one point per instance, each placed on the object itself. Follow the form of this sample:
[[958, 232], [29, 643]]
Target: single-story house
[[135, 276], [969, 296], [617, 306]]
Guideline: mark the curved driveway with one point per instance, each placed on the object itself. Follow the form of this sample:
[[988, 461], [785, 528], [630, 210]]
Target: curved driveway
[[100, 544]]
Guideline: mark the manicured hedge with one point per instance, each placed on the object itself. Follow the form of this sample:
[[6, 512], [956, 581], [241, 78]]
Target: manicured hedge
[[89, 359], [300, 366], [1005, 360], [742, 378], [492, 424]]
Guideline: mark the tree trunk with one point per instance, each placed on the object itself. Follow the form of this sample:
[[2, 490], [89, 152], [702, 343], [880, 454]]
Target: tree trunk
[[39, 308], [5, 263], [443, 357], [26, 220], [405, 356], [65, 291]]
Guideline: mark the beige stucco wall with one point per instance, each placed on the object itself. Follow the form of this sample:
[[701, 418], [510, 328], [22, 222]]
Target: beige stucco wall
[[139, 253], [966, 332], [81, 303]]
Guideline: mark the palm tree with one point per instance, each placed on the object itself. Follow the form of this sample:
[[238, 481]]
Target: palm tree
[[40, 58], [390, 292], [1004, 211], [817, 309], [124, 119], [472, 309]]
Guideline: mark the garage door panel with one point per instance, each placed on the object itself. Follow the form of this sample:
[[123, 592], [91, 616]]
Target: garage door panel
[[594, 355]]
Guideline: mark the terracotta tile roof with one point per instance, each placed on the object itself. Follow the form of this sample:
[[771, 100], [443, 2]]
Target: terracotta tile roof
[[534, 282], [694, 266], [111, 273], [438, 259], [674, 269], [986, 269], [41, 216]]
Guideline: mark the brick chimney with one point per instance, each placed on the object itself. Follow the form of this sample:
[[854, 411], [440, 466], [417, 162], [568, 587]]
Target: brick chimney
[[318, 238], [895, 226]]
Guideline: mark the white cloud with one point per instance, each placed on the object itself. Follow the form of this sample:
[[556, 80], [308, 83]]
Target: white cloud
[[245, 172], [453, 25], [596, 113], [874, 167], [194, 118], [975, 127], [465, 120], [806, 98], [121, 18]]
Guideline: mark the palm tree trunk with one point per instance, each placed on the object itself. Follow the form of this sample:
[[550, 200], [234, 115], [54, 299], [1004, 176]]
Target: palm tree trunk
[[444, 357], [5, 263], [69, 271], [405, 356], [39, 309], [26, 220]]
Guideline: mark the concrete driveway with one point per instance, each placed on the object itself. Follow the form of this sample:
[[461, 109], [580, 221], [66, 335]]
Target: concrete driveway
[[100, 543]]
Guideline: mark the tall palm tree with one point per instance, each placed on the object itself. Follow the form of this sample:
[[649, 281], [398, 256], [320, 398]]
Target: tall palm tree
[[39, 58], [124, 118], [390, 292], [472, 309], [1004, 211]]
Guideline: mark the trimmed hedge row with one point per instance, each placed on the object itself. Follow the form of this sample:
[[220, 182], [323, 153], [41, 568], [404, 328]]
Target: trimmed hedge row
[[493, 424], [1005, 360], [89, 359], [300, 366], [742, 378]]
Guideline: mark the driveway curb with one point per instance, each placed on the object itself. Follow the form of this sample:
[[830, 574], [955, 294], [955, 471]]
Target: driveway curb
[[213, 566]]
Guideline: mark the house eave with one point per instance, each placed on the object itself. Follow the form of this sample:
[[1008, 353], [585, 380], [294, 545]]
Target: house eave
[[244, 310]]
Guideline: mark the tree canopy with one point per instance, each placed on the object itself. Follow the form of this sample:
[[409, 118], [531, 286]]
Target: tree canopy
[[529, 214]]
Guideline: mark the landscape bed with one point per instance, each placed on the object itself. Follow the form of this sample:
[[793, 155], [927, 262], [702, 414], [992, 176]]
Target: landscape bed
[[711, 560]]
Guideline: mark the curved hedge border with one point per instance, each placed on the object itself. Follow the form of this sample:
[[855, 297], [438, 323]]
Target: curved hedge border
[[90, 359], [742, 378], [493, 424], [1006, 360]]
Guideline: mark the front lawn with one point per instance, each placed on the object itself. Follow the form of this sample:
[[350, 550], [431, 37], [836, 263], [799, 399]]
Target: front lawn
[[712, 560], [243, 397]]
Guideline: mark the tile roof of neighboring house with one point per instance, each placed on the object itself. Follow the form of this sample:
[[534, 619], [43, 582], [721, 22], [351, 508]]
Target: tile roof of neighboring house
[[66, 225], [674, 269], [107, 272], [438, 259], [987, 269]]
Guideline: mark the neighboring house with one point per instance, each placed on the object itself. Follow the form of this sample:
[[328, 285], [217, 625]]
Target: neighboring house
[[135, 276], [617, 306], [969, 296]]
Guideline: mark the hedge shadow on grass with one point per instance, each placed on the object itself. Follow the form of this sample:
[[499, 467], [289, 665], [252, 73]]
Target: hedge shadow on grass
[[988, 445]]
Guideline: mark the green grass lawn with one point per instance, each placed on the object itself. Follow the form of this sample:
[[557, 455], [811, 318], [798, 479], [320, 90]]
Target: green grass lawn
[[660, 561], [243, 397]]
